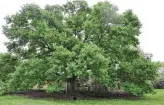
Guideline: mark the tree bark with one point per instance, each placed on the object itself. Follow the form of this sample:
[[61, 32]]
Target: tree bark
[[71, 85]]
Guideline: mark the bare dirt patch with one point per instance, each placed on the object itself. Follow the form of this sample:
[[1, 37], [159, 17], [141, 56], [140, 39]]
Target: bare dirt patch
[[40, 94]]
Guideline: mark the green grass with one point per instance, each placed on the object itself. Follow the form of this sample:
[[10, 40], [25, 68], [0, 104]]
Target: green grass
[[156, 99]]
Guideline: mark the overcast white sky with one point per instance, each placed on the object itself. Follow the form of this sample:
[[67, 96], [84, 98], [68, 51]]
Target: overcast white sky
[[150, 13]]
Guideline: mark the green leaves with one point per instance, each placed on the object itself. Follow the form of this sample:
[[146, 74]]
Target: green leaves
[[55, 87], [2, 88], [28, 74], [140, 75], [7, 65], [133, 89], [77, 44]]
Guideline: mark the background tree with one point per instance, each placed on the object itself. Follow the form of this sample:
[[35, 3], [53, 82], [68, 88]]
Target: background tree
[[159, 82]]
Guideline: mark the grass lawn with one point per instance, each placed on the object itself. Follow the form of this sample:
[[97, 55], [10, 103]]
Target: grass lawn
[[157, 99]]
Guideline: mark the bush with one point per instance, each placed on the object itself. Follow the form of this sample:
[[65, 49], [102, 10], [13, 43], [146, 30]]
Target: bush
[[2, 88], [138, 76], [133, 89]]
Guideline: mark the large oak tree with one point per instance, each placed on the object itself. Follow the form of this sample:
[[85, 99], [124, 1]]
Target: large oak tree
[[74, 43]]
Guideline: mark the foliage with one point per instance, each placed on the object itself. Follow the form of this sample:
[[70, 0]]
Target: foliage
[[138, 76], [160, 76], [159, 82], [74, 43], [2, 88], [7, 65], [28, 74]]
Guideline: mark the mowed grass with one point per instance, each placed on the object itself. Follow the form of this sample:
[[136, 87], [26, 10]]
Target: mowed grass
[[156, 99]]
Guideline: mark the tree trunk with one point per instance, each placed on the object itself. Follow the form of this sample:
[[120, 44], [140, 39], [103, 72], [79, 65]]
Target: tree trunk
[[71, 85]]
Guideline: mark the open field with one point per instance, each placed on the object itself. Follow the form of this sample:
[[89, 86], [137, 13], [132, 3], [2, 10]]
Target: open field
[[157, 99]]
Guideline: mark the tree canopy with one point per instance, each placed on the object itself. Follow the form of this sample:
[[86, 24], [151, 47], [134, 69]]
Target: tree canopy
[[75, 43]]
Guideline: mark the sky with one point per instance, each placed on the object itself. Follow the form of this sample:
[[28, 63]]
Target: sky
[[150, 13]]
